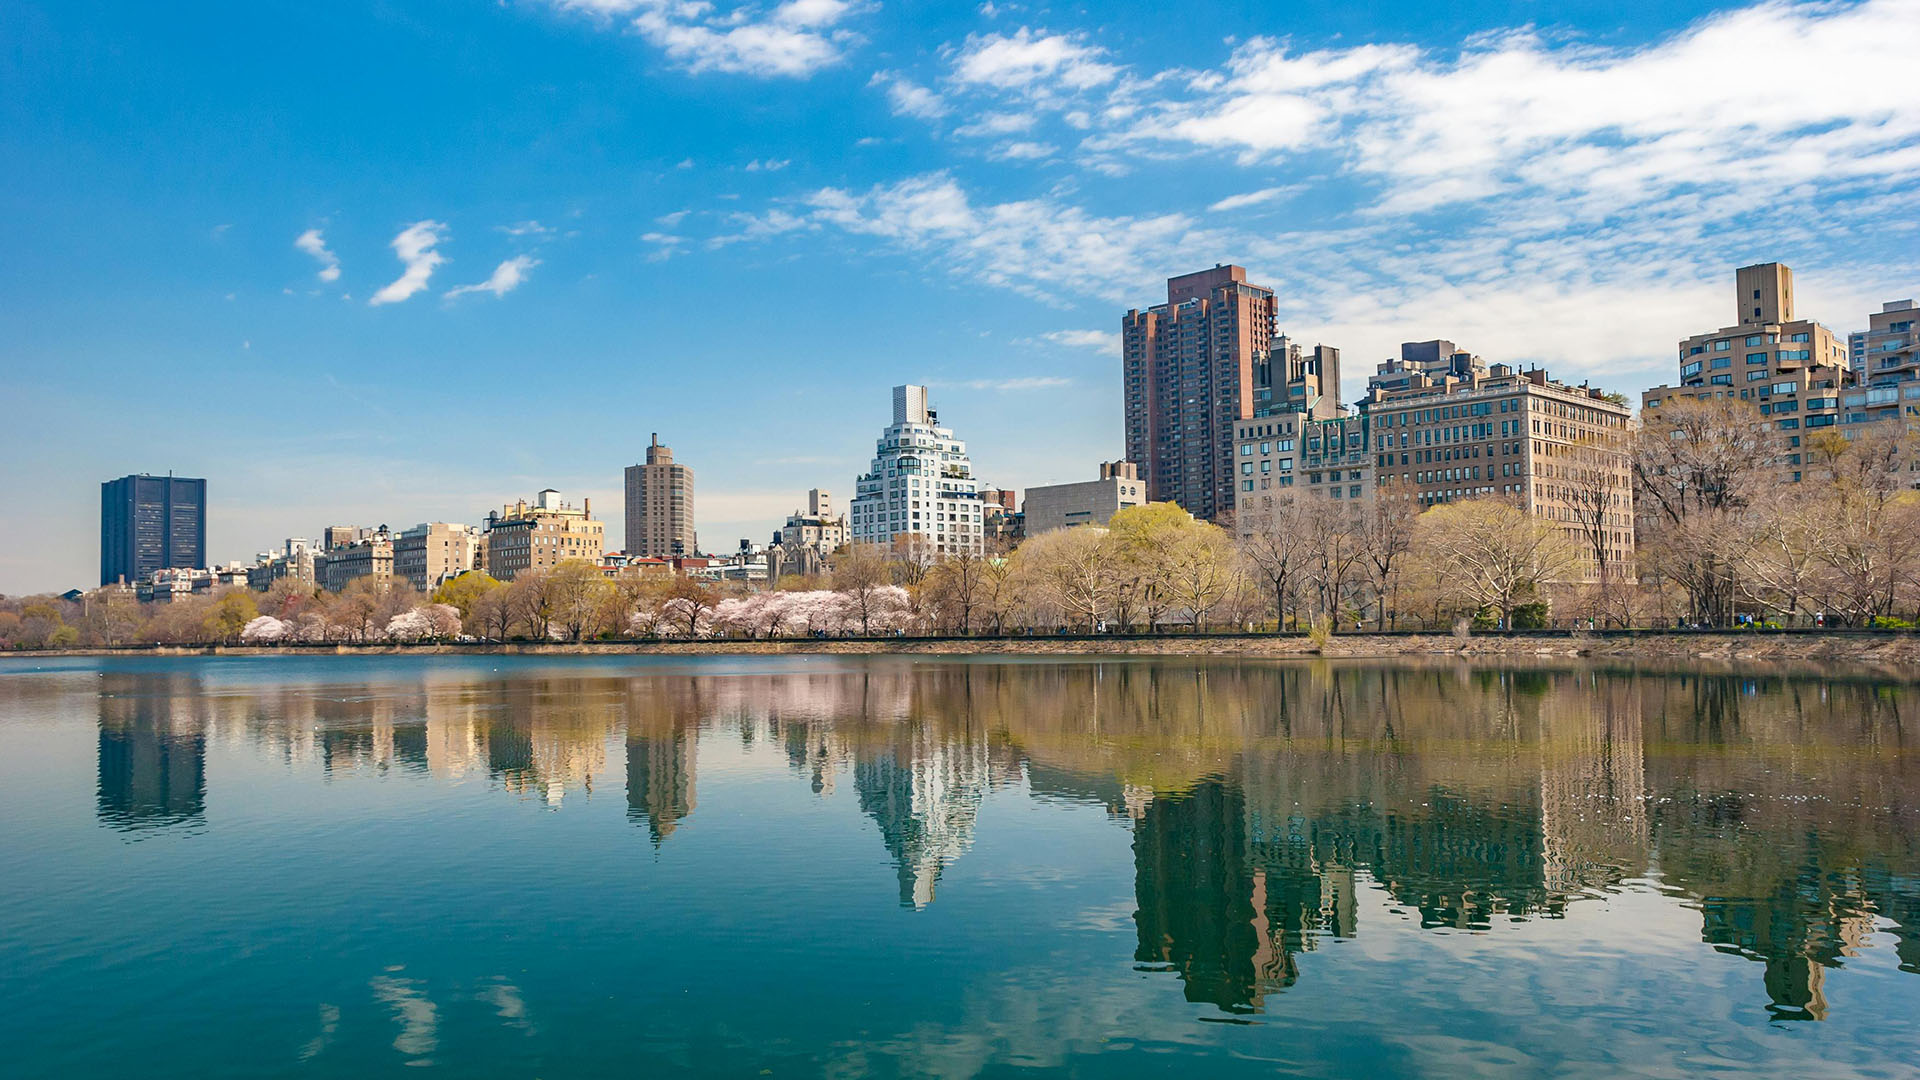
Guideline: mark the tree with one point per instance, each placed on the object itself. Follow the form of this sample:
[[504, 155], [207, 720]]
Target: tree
[[462, 592], [1200, 571], [1141, 542], [1069, 568], [690, 604], [860, 573], [355, 613], [112, 615], [1595, 490], [1494, 552], [1333, 549], [490, 615], [1697, 467], [1275, 550], [230, 615], [1385, 536], [1870, 520], [957, 587], [527, 601], [574, 594]]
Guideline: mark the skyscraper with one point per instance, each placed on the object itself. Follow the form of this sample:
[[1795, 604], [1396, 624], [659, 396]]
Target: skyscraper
[[150, 523], [660, 506], [920, 486], [1189, 367]]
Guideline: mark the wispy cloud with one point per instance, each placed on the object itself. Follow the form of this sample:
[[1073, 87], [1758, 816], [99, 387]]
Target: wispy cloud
[[522, 229], [908, 98], [768, 165], [793, 39], [415, 248], [315, 245], [1253, 198], [1107, 341], [1027, 59], [505, 278], [1029, 382]]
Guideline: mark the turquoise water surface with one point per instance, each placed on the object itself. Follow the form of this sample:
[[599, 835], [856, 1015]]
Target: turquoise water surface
[[846, 867]]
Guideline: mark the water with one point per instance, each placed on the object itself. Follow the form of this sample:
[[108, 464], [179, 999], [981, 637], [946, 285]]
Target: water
[[844, 867]]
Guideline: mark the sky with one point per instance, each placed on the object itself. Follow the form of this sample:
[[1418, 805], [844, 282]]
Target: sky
[[390, 261]]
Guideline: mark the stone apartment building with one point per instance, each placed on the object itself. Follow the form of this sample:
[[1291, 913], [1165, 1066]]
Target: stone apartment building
[[1796, 373], [540, 536], [434, 552], [370, 555], [1089, 502], [1429, 439]]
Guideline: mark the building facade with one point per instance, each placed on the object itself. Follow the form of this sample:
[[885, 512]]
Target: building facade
[[369, 556], [434, 552], [803, 544], [1091, 502], [1559, 451], [150, 523], [1188, 375], [294, 562], [540, 536], [1796, 372], [660, 506], [1001, 522], [920, 487]]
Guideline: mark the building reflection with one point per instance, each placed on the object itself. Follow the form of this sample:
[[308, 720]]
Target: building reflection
[[152, 758], [1270, 806]]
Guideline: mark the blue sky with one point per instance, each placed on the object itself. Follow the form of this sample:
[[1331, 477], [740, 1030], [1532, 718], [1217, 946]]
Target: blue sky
[[369, 262]]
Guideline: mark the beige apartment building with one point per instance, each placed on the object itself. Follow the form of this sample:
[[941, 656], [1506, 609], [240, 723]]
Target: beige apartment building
[[434, 552], [660, 506], [1090, 502], [369, 555], [1795, 372], [1558, 450], [540, 536]]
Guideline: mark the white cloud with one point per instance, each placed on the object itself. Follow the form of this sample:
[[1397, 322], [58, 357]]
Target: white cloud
[[673, 220], [793, 39], [1025, 58], [505, 278], [1024, 151], [527, 228], [415, 248], [1107, 341], [1253, 198], [1030, 382], [769, 165], [315, 245], [997, 123], [1031, 245], [908, 98]]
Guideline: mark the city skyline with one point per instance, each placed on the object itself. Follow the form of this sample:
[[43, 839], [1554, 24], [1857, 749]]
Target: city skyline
[[324, 301]]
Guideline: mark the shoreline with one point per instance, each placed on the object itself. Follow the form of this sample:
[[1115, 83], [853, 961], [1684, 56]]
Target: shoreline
[[1893, 650]]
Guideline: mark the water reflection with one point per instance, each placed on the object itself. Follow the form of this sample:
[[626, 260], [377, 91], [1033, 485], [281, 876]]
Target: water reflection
[[153, 753], [1264, 801]]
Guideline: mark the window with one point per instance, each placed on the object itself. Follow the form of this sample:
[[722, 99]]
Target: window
[[1690, 370], [1723, 345], [1722, 362], [1721, 380], [1755, 376], [1756, 358]]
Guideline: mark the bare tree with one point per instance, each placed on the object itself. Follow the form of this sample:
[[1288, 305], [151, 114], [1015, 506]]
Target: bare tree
[[861, 574], [1070, 568], [1385, 538], [1697, 467], [1495, 552], [1275, 548]]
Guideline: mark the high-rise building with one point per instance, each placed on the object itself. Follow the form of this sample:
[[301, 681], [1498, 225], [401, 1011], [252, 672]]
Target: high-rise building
[[920, 487], [1090, 502], [1189, 374], [540, 536], [150, 523], [660, 506], [802, 545]]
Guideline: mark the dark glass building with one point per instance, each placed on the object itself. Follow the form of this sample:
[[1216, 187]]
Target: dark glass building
[[150, 523]]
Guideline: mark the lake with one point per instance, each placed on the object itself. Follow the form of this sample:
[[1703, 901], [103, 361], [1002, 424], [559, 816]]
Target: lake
[[877, 867]]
